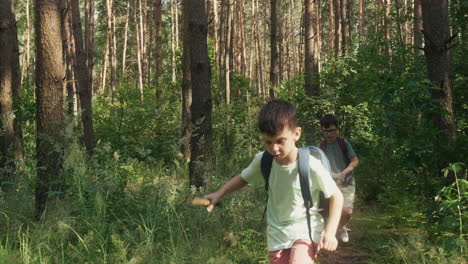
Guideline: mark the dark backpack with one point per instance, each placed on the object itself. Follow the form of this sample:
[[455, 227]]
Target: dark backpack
[[303, 168]]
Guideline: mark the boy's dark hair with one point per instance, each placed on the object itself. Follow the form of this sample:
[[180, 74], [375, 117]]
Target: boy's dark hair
[[328, 120], [275, 115]]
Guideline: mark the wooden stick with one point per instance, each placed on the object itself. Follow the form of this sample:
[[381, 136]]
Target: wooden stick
[[197, 201]]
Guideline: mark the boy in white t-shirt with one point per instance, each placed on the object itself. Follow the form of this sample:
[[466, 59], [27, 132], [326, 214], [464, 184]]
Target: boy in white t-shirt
[[287, 231]]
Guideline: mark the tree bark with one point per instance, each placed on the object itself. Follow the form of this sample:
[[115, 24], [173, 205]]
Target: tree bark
[[112, 47], [173, 40], [336, 15], [361, 19], [228, 53], [81, 72], [344, 28], [186, 84], [26, 57], [159, 50], [69, 58], [436, 49], [417, 26], [124, 52], [310, 64], [11, 150], [201, 161], [50, 115], [274, 66], [139, 57], [89, 42]]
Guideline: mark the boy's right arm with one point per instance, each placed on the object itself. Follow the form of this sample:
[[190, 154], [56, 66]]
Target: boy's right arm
[[232, 185]]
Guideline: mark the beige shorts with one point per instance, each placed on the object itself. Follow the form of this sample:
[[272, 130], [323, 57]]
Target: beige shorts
[[348, 195]]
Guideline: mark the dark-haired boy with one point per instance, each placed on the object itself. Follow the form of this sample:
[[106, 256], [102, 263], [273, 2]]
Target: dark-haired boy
[[287, 229], [343, 161]]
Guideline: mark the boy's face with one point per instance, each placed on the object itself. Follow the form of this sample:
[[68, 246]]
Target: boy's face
[[330, 133], [283, 145]]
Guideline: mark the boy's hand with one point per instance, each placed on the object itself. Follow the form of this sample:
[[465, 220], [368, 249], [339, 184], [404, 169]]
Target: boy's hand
[[340, 177], [328, 242], [214, 198]]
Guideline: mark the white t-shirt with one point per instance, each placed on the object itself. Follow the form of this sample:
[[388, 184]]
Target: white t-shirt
[[286, 214]]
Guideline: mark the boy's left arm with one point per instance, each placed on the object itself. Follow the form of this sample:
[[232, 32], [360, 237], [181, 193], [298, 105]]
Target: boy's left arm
[[328, 240]]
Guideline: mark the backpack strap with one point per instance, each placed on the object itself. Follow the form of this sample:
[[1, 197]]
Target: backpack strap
[[303, 168], [343, 148], [323, 145], [341, 143], [265, 164]]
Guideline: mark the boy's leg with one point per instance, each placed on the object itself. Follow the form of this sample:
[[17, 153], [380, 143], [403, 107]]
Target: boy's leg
[[348, 192], [303, 252], [279, 256], [348, 204]]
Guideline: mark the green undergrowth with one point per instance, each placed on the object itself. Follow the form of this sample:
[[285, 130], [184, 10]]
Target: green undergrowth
[[391, 236]]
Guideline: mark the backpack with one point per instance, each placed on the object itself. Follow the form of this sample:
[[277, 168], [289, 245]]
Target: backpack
[[303, 169]]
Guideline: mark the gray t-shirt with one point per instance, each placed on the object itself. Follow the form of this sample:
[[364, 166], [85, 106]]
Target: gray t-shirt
[[286, 216], [338, 161]]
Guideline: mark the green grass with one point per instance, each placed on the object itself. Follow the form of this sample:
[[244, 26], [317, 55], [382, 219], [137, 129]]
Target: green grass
[[149, 221]]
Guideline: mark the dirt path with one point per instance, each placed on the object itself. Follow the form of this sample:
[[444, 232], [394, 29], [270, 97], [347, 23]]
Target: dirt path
[[355, 250], [345, 254]]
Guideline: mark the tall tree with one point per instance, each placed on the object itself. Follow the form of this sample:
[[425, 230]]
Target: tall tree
[[10, 92], [186, 84], [274, 64], [50, 116], [159, 44], [139, 55], [201, 161], [344, 27], [417, 26], [81, 72], [361, 19], [310, 65], [336, 23], [436, 49], [89, 40]]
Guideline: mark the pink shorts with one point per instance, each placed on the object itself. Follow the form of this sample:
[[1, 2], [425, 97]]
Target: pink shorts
[[301, 252]]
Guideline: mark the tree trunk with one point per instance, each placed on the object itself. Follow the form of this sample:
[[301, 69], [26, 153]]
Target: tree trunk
[[349, 23], [50, 115], [417, 26], [388, 35], [81, 72], [310, 64], [89, 43], [138, 41], [336, 15], [201, 161], [228, 53], [26, 57], [215, 32], [344, 28], [318, 38], [159, 50], [186, 84], [124, 52], [69, 57], [10, 91], [274, 67], [436, 49], [173, 40], [361, 20], [112, 47]]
